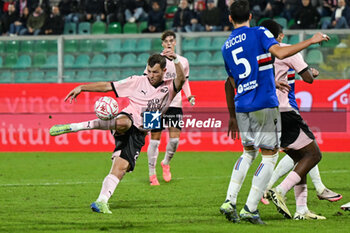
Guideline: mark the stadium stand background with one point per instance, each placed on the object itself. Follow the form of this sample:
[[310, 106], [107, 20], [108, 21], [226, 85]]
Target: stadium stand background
[[98, 51]]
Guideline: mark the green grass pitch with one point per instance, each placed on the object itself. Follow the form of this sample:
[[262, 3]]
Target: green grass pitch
[[51, 192]]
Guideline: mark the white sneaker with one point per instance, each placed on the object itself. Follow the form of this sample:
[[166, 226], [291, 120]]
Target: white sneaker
[[308, 216], [346, 206], [329, 195], [280, 203]]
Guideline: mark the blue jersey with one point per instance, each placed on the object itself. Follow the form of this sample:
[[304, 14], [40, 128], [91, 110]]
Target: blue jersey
[[248, 61]]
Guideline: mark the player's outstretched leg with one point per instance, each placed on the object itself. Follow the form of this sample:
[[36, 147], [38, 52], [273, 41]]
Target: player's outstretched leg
[[230, 211], [252, 217], [346, 207], [86, 125], [60, 129]]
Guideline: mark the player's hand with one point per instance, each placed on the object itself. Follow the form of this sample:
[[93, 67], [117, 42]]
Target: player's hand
[[319, 37], [282, 86], [233, 128], [73, 94], [169, 53], [315, 72], [192, 100]]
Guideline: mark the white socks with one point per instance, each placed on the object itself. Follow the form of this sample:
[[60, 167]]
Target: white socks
[[152, 153], [238, 174], [94, 124], [170, 150], [261, 177], [285, 165], [108, 186], [316, 179]]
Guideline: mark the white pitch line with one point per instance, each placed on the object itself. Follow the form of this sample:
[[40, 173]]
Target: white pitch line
[[49, 184], [335, 171]]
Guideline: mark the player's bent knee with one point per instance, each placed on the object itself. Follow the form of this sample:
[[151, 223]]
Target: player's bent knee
[[250, 154], [268, 151], [156, 135], [249, 148], [270, 158], [174, 132], [314, 151], [317, 156], [123, 124]]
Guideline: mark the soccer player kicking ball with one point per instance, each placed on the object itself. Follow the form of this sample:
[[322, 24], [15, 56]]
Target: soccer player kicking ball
[[173, 115], [297, 139], [145, 94], [254, 115]]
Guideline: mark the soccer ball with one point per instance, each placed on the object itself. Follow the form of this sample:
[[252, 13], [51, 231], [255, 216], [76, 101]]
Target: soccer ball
[[106, 108]]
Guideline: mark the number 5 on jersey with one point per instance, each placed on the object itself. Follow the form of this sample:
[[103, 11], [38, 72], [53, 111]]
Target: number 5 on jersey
[[243, 61]]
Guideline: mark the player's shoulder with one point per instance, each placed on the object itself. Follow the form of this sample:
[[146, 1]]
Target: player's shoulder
[[137, 77], [265, 31]]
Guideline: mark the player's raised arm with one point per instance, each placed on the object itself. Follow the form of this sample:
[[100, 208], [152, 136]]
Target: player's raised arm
[[180, 74], [287, 51], [91, 87]]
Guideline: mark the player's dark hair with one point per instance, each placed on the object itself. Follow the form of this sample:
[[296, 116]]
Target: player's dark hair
[[168, 33], [239, 11], [157, 59], [274, 27]]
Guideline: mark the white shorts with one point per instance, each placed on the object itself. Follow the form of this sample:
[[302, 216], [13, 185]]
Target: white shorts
[[261, 129]]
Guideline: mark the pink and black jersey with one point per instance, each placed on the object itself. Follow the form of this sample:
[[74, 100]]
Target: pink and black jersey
[[171, 74], [285, 71], [143, 96]]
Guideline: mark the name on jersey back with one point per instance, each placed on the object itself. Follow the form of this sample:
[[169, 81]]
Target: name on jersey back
[[235, 40]]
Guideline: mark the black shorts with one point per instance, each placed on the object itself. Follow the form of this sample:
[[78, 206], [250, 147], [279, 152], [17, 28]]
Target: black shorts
[[130, 144], [292, 123], [172, 115]]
